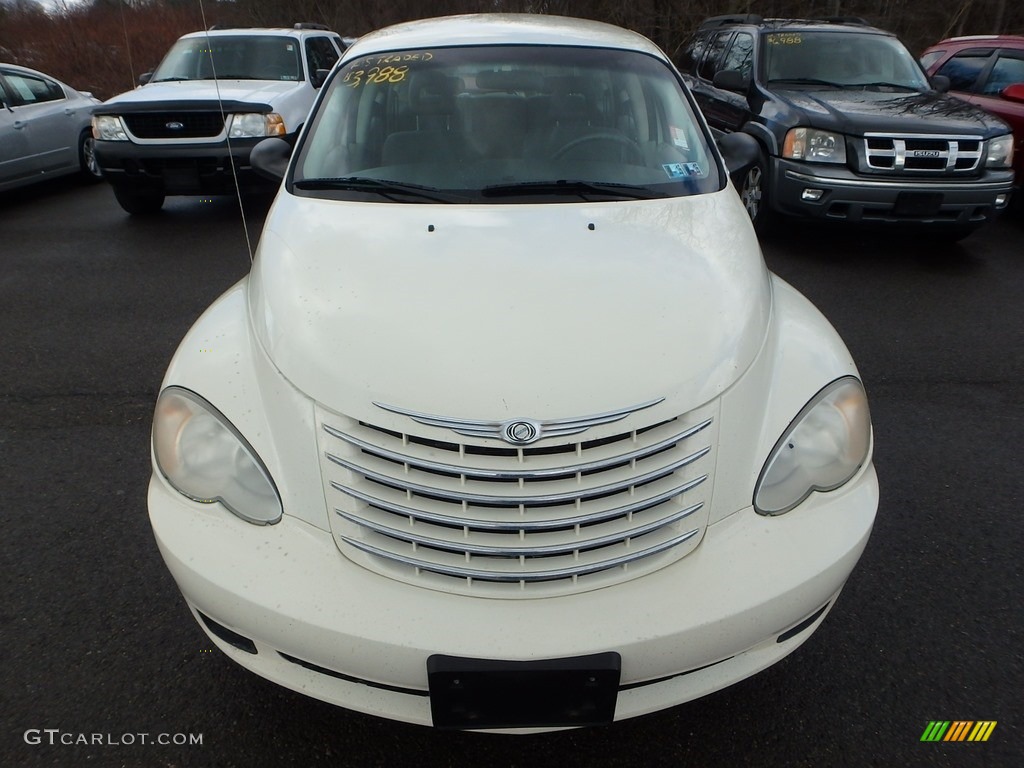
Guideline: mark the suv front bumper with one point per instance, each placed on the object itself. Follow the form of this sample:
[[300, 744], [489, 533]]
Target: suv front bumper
[[844, 196], [284, 602], [186, 169]]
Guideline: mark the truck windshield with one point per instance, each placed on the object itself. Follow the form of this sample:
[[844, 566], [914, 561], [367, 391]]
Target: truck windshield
[[235, 57], [840, 59], [505, 124]]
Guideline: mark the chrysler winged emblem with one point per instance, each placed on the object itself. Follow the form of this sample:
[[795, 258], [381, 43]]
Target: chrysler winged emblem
[[519, 431]]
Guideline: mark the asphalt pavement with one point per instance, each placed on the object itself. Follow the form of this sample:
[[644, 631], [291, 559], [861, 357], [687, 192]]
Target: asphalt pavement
[[100, 661]]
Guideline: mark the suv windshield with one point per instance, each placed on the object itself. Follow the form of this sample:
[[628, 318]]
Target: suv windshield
[[844, 59], [235, 57], [505, 124]]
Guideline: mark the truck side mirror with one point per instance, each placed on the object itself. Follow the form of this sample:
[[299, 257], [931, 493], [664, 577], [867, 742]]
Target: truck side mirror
[[730, 80], [270, 158], [940, 83]]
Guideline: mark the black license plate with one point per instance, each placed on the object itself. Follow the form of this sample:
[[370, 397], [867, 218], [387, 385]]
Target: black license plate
[[918, 203], [481, 693]]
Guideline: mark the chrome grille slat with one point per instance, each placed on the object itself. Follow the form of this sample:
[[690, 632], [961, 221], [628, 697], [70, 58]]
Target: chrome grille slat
[[534, 474], [526, 576], [513, 500], [530, 551], [525, 525], [478, 515]]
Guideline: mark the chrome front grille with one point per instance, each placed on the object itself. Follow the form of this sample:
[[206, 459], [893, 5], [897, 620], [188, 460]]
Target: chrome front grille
[[911, 153], [484, 517]]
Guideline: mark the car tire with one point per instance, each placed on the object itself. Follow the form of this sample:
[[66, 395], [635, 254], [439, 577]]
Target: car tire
[[139, 203], [89, 167], [753, 189]]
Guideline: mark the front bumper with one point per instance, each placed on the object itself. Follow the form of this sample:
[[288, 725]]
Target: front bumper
[[180, 169], [845, 196], [285, 603]]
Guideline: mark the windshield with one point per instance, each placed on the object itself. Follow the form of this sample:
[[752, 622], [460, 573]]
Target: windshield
[[844, 59], [236, 57], [505, 124]]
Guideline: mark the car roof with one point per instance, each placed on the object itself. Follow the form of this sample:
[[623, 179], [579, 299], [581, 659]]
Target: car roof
[[966, 41], [825, 24], [501, 29], [270, 31]]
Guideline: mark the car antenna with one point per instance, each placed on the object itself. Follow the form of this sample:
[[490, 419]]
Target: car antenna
[[127, 45], [227, 133]]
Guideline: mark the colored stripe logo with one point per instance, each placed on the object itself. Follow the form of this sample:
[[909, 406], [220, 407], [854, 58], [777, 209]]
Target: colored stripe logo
[[958, 730]]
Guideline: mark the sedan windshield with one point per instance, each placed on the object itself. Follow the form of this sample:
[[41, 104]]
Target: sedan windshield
[[235, 57], [508, 124], [842, 60]]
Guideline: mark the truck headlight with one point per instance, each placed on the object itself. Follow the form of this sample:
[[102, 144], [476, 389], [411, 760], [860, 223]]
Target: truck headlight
[[108, 128], [252, 125], [823, 448], [1000, 152], [205, 458], [814, 146]]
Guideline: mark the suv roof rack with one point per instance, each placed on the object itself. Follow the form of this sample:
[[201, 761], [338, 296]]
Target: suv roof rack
[[721, 21], [310, 25], [857, 20]]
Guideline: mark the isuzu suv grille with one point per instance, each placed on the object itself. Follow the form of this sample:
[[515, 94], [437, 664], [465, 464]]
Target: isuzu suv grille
[[912, 153], [175, 125], [484, 517]]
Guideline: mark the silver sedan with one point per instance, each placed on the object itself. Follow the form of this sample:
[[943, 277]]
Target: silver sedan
[[45, 128]]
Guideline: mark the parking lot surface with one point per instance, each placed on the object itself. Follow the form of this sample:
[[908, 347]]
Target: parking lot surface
[[98, 643]]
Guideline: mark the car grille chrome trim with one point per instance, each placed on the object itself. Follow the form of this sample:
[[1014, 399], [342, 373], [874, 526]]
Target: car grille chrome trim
[[515, 474], [922, 153], [515, 576], [486, 518], [475, 524]]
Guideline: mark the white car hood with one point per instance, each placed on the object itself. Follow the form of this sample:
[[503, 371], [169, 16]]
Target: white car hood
[[254, 91], [502, 311]]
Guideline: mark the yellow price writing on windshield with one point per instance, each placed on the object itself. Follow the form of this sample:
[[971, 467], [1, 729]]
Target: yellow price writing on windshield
[[784, 39], [375, 76]]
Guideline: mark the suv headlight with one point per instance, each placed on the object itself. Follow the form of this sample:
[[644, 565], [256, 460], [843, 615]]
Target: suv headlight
[[256, 125], [108, 128], [1000, 152], [823, 448], [206, 459], [814, 146]]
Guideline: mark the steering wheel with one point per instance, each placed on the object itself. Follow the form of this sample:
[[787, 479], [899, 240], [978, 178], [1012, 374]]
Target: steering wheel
[[633, 151]]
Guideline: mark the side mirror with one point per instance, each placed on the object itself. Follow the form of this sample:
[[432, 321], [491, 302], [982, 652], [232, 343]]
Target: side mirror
[[940, 83], [1013, 92], [318, 78], [730, 80], [740, 151], [270, 158], [145, 77]]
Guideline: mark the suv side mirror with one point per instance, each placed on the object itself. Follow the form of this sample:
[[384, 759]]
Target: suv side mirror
[[1013, 92], [145, 77], [940, 83], [318, 78], [740, 151], [730, 80], [270, 158]]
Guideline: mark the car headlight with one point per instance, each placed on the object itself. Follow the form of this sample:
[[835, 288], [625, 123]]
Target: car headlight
[[256, 125], [823, 448], [1000, 152], [108, 128], [814, 146], [206, 459]]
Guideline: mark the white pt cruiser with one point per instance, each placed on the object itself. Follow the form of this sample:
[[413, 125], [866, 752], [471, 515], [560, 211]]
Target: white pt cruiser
[[509, 427]]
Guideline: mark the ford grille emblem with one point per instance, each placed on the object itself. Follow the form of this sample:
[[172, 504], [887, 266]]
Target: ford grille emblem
[[175, 126]]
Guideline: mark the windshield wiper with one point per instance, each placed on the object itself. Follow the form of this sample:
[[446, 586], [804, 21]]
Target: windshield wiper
[[884, 84], [382, 187], [574, 188], [806, 81]]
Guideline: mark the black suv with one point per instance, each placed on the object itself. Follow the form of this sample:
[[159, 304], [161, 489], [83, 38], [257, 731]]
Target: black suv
[[849, 125]]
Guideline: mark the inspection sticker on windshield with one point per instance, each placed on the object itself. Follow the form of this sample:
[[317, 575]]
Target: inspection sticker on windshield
[[678, 137], [682, 170]]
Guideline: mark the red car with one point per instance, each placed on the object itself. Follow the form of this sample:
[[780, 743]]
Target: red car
[[988, 71]]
